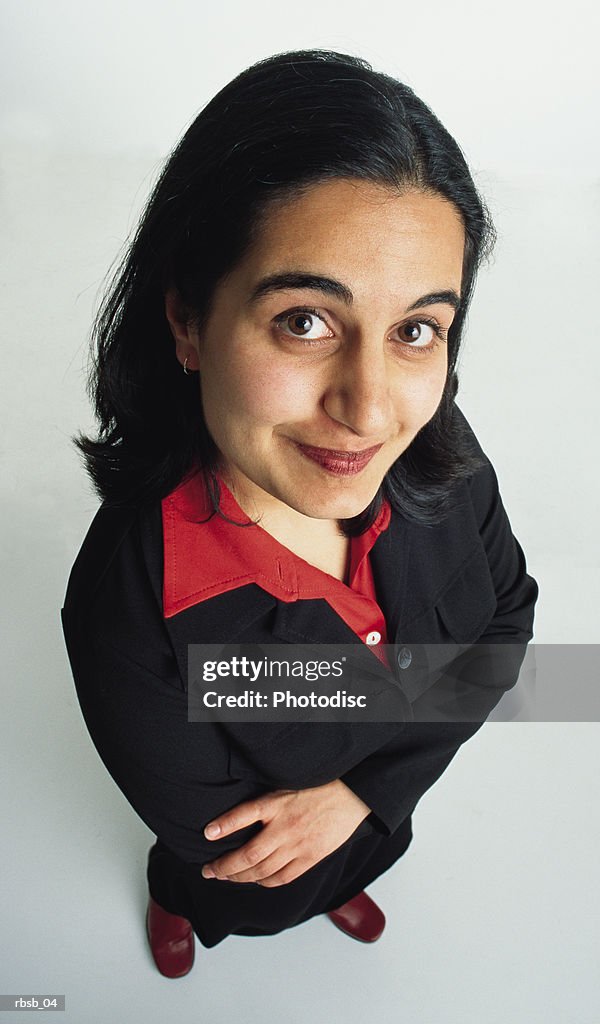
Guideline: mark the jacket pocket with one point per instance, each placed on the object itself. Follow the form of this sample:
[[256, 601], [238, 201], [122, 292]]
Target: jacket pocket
[[460, 614], [265, 753], [468, 605]]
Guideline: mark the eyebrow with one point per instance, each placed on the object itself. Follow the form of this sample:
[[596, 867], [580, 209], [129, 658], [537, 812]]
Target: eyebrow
[[330, 286]]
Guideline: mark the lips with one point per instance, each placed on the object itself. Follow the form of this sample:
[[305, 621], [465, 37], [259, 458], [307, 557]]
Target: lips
[[341, 463]]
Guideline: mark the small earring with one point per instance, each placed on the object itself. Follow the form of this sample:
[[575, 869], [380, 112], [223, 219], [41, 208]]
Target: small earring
[[185, 369]]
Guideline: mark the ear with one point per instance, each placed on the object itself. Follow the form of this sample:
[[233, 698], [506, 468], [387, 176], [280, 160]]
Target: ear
[[186, 338]]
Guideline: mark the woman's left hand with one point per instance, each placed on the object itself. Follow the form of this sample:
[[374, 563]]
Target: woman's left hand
[[300, 828]]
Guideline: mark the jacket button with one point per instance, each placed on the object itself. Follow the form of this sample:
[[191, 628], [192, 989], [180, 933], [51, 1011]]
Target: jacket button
[[373, 638], [404, 657]]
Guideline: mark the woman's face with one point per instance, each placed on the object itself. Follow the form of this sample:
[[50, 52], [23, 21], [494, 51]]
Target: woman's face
[[325, 353]]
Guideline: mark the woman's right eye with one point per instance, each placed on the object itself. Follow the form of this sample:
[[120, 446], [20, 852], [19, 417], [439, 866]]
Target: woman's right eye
[[304, 324]]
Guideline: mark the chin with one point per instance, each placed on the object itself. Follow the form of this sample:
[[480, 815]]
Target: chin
[[332, 507]]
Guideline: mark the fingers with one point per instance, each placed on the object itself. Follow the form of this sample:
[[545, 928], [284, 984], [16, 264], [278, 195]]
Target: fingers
[[272, 872], [239, 817], [244, 859], [263, 869], [262, 808], [291, 871]]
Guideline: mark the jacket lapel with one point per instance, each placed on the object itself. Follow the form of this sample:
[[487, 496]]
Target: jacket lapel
[[315, 622], [311, 622], [389, 562], [219, 620]]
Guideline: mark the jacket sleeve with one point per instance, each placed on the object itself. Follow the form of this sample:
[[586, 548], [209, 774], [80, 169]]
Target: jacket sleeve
[[393, 779], [172, 772]]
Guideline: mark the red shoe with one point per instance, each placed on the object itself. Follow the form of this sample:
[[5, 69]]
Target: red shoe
[[171, 941], [360, 917]]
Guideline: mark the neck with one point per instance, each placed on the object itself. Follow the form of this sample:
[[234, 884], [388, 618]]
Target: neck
[[318, 541]]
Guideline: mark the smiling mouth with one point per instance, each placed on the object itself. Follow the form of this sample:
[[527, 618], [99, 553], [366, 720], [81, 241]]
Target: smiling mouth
[[340, 463]]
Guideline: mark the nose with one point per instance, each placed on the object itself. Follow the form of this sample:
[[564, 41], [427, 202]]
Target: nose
[[359, 392]]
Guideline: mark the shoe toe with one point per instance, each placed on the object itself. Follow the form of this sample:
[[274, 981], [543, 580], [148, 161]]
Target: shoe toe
[[360, 917], [171, 941]]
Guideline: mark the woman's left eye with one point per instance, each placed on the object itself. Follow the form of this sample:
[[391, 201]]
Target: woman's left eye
[[304, 324], [419, 333]]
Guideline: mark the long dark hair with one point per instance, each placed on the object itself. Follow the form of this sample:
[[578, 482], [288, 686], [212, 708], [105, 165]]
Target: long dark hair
[[294, 119]]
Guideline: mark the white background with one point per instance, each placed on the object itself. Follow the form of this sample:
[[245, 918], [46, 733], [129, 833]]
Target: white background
[[493, 914]]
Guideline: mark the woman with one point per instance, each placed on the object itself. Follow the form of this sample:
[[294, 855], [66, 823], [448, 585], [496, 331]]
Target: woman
[[281, 459]]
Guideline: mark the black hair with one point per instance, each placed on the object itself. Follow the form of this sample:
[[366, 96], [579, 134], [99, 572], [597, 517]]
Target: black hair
[[238, 156]]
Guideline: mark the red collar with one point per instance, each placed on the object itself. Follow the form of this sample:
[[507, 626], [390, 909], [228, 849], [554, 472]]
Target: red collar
[[204, 555]]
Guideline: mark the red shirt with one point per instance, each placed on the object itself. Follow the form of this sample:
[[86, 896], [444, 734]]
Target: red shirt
[[205, 556]]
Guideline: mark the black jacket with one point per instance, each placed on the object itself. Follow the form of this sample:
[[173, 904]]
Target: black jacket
[[463, 582]]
